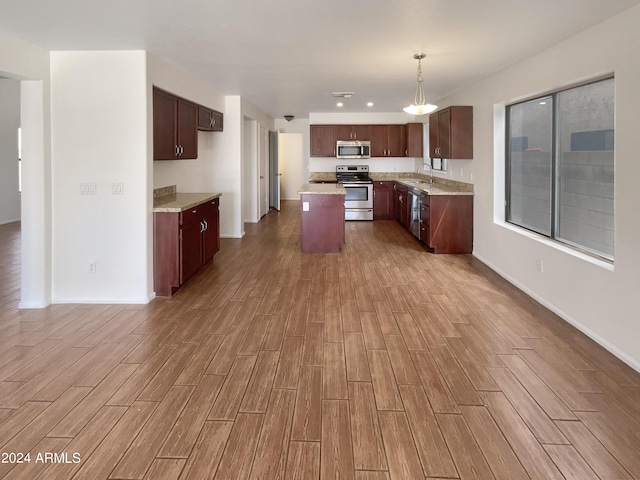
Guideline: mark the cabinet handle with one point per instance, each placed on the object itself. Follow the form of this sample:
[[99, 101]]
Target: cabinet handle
[[194, 211], [181, 150], [201, 227], [177, 151], [406, 153], [206, 225]]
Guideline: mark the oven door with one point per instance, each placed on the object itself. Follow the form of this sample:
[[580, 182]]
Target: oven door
[[359, 195]]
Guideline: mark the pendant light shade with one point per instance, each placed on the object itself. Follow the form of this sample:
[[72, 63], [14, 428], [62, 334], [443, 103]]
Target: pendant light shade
[[420, 105]]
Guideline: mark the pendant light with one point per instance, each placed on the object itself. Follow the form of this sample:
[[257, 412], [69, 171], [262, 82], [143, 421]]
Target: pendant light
[[420, 106]]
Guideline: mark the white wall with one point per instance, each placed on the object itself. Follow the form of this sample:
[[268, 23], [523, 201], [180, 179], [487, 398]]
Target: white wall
[[250, 172], [9, 124], [30, 64], [599, 299], [376, 164], [99, 132]]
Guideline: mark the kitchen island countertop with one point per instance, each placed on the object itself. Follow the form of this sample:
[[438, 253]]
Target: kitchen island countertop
[[322, 189]]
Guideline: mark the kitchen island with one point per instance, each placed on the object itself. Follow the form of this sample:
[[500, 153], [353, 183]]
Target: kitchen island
[[322, 217]]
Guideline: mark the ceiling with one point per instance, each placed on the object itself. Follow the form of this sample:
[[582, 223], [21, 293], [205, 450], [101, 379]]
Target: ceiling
[[288, 56]]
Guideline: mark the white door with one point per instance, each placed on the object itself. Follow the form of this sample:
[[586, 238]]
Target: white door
[[263, 184], [274, 171]]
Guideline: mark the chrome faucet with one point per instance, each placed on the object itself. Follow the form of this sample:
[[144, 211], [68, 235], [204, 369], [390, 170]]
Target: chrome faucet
[[430, 171]]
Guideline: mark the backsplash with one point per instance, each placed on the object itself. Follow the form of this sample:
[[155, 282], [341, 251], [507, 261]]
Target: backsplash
[[164, 191]]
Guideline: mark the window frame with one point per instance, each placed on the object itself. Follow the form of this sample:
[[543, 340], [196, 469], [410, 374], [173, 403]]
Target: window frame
[[555, 167]]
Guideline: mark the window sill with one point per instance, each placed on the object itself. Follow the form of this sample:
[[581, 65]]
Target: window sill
[[574, 252]]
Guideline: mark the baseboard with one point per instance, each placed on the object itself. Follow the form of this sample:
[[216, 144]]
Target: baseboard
[[32, 305], [632, 362], [101, 301], [4, 222]]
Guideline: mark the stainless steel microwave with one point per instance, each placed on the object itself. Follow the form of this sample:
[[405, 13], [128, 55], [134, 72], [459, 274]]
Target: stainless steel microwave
[[353, 149]]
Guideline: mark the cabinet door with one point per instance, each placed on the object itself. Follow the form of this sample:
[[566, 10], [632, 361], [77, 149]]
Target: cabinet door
[[211, 234], [433, 135], [344, 132], [379, 140], [395, 141], [444, 133], [190, 250], [383, 208], [413, 146], [361, 132], [165, 127], [187, 129], [323, 141], [209, 120]]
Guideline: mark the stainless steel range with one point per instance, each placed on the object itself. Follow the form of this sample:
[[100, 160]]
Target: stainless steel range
[[358, 202]]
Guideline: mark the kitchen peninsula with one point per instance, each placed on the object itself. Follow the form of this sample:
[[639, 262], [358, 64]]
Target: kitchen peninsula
[[322, 212]]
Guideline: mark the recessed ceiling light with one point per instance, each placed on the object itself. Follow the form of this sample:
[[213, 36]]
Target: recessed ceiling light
[[369, 104], [339, 104]]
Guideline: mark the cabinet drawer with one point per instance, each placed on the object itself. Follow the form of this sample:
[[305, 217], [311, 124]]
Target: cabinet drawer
[[192, 215], [424, 198], [424, 214]]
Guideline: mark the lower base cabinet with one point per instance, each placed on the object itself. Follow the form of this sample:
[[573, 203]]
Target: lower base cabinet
[[183, 243], [383, 194], [446, 223]]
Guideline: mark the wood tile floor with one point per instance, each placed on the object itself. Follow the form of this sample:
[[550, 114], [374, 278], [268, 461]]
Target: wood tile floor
[[381, 362]]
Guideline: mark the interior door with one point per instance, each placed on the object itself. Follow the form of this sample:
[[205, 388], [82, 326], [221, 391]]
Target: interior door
[[274, 172], [263, 184]]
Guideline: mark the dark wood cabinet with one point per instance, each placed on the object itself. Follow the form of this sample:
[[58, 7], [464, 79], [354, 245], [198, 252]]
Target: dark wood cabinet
[[353, 132], [183, 242], [387, 141], [323, 140], [210, 120], [322, 225], [402, 208], [451, 133], [175, 121], [383, 194], [446, 223], [413, 140]]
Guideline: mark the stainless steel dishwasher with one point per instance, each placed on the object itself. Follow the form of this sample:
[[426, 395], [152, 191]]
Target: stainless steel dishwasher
[[414, 218]]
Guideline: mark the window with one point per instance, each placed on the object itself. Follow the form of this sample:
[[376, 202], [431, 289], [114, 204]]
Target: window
[[560, 166]]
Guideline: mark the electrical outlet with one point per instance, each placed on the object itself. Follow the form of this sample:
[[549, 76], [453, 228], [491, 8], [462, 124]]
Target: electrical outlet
[[305, 206], [92, 267], [539, 265]]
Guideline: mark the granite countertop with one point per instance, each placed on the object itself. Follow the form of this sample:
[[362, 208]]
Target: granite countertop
[[440, 186], [166, 199], [432, 188], [322, 189]]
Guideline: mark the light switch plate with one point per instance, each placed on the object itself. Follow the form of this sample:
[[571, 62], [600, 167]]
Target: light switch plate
[[88, 188], [117, 189]]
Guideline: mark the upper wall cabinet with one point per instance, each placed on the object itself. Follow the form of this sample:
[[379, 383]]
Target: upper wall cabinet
[[451, 133], [323, 140], [209, 120], [175, 120], [413, 145], [386, 140], [353, 132]]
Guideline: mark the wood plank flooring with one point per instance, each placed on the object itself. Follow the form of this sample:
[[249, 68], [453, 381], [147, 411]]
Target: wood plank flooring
[[380, 362]]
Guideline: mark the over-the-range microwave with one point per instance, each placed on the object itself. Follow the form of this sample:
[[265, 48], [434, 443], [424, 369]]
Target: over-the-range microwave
[[353, 149]]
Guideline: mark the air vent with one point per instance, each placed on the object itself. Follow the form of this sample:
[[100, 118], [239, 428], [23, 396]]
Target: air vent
[[342, 94]]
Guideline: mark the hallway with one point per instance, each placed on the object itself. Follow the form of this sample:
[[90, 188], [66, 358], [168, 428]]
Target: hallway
[[380, 362]]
